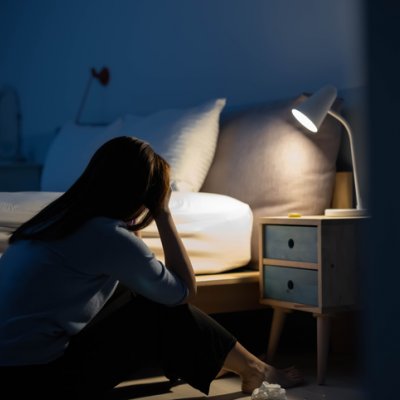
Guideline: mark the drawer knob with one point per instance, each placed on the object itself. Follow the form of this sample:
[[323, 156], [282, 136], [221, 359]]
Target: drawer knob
[[291, 243], [290, 285]]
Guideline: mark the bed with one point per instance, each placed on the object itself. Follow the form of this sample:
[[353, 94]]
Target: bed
[[229, 167], [215, 228]]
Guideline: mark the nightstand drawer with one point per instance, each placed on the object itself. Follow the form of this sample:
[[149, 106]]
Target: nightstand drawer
[[291, 242], [295, 285]]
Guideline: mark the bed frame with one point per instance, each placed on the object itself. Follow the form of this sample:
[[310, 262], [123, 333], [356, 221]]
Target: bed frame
[[239, 290]]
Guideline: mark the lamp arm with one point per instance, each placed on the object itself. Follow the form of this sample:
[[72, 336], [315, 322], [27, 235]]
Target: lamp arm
[[83, 101], [359, 204]]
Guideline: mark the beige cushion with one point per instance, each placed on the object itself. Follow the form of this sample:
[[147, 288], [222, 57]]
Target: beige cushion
[[266, 160]]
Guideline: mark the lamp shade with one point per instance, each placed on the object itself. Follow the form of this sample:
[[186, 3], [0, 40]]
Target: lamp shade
[[310, 114], [312, 111]]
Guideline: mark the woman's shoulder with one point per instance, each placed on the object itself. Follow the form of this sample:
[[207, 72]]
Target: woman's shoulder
[[104, 225], [101, 233], [109, 232], [105, 222], [108, 227]]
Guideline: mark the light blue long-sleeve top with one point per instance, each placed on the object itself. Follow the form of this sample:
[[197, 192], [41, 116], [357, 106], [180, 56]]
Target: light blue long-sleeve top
[[50, 290]]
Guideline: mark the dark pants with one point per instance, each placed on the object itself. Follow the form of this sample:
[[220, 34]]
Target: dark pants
[[129, 334]]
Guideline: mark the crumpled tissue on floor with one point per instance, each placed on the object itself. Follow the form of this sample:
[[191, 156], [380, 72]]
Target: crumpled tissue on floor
[[269, 391]]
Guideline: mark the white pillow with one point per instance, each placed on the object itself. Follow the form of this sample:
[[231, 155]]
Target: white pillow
[[187, 139], [70, 152]]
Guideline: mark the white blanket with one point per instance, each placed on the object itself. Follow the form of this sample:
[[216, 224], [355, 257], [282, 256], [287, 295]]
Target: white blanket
[[215, 229]]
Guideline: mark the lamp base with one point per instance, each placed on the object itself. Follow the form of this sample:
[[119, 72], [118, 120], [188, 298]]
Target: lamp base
[[345, 212]]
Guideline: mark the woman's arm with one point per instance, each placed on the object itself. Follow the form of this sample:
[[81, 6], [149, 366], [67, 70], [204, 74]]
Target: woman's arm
[[176, 257]]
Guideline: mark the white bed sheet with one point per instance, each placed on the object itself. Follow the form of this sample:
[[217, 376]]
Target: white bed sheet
[[215, 229]]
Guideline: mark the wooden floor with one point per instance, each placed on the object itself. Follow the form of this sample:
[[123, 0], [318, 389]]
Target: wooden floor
[[343, 383]]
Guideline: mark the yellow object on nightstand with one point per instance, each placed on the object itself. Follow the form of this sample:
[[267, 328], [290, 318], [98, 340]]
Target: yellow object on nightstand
[[294, 215]]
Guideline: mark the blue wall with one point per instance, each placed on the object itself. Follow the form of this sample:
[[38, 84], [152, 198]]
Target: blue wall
[[171, 53]]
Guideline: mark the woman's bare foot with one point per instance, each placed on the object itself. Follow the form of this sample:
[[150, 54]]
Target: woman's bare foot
[[255, 371], [286, 378]]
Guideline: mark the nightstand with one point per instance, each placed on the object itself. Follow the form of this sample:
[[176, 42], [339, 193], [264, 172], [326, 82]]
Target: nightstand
[[309, 264], [19, 176]]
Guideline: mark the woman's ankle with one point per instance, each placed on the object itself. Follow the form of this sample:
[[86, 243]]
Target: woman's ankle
[[244, 363], [255, 368]]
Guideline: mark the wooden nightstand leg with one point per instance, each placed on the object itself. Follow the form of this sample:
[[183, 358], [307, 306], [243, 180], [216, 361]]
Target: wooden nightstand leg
[[278, 320], [323, 336]]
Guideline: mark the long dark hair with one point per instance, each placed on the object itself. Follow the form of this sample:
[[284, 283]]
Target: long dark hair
[[125, 179]]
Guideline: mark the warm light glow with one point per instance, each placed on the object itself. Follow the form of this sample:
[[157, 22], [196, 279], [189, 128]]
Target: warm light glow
[[295, 153], [304, 120]]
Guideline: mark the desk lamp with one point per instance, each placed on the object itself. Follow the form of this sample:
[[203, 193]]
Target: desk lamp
[[310, 114]]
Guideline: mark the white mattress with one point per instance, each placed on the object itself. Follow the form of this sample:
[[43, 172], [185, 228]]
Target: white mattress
[[215, 229]]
